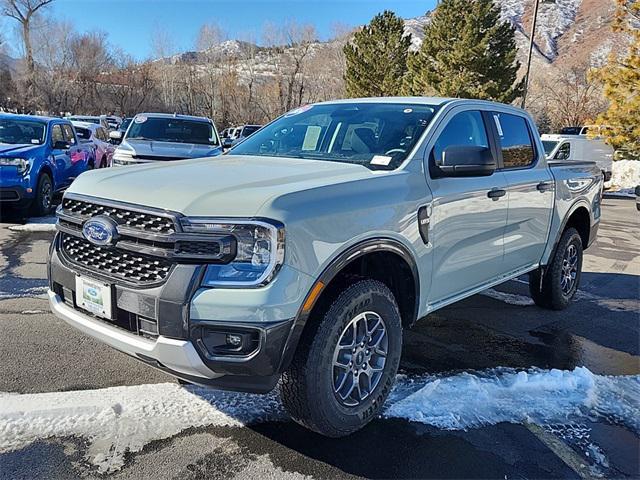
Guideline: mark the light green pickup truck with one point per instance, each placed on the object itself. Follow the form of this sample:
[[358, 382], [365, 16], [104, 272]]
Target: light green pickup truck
[[299, 258]]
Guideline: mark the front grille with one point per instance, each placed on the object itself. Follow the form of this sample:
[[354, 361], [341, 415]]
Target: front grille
[[115, 262], [142, 221], [211, 249]]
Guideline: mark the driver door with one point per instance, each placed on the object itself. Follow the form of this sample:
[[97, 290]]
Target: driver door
[[468, 214]]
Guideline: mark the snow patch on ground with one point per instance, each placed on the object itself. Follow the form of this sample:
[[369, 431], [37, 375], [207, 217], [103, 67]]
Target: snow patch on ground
[[124, 419], [543, 397], [625, 177], [39, 224], [510, 298], [118, 420]]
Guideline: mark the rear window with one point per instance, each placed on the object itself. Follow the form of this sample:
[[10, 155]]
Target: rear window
[[515, 140]]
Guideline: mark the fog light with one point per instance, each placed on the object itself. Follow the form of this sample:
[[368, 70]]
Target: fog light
[[234, 340]]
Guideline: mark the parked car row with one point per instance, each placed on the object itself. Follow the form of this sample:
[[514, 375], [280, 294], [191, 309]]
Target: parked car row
[[232, 135]]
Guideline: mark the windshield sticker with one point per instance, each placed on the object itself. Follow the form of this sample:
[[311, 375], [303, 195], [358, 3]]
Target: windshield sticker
[[380, 160], [311, 137], [408, 110], [298, 111], [35, 141], [498, 126], [140, 119]]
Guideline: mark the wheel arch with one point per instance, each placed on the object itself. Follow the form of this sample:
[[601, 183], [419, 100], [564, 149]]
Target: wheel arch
[[373, 255]]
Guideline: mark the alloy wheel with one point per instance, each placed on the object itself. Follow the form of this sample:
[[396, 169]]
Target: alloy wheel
[[359, 358], [569, 269]]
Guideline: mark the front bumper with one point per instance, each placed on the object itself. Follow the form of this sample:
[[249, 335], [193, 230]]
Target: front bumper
[[13, 195], [183, 314]]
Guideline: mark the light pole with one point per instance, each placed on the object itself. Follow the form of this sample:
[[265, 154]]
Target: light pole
[[533, 33]]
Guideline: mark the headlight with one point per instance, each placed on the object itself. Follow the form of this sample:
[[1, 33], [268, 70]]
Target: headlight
[[121, 157], [259, 250], [21, 163]]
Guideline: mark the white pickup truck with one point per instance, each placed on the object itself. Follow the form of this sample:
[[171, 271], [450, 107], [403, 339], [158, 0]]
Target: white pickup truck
[[300, 257]]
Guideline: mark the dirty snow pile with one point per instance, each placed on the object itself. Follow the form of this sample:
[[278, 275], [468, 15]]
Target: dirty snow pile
[[121, 419], [625, 176], [38, 224], [543, 397]]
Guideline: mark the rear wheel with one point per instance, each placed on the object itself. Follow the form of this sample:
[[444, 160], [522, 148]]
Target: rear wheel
[[43, 202], [345, 368], [556, 286]]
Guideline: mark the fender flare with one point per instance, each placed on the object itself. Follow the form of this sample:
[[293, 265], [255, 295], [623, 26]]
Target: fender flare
[[339, 262], [578, 204]]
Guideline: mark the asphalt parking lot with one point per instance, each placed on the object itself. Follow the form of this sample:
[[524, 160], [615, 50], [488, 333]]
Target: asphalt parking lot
[[103, 413]]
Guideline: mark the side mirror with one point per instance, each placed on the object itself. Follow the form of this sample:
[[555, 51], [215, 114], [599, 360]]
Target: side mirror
[[227, 142], [465, 161], [115, 136], [61, 145]]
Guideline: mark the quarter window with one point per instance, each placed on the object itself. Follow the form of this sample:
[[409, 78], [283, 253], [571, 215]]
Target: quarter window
[[464, 129], [515, 140]]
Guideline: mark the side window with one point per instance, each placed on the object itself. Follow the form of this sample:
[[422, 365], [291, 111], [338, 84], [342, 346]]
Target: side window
[[515, 140], [464, 129], [564, 152], [101, 135], [68, 134], [56, 134]]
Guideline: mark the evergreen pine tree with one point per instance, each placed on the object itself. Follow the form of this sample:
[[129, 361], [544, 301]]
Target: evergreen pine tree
[[467, 52], [377, 58], [621, 79]]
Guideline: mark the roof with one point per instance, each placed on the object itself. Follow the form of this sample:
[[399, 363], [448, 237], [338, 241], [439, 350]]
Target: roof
[[88, 125], [414, 100], [95, 117], [32, 118], [176, 115]]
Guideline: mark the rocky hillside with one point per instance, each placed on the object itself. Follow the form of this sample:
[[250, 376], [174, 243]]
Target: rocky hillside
[[567, 30]]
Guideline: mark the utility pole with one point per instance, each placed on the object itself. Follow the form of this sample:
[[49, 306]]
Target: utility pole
[[533, 33]]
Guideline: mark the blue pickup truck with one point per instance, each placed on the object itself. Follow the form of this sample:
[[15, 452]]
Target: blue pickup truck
[[39, 157]]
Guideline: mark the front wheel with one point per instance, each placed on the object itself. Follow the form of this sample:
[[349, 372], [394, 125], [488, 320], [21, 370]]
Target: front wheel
[[43, 201], [556, 286], [345, 368]]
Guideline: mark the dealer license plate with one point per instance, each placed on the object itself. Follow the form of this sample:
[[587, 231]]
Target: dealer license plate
[[93, 296]]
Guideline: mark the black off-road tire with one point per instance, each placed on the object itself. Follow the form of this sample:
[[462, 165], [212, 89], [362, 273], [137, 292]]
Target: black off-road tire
[[307, 386], [43, 202], [549, 293]]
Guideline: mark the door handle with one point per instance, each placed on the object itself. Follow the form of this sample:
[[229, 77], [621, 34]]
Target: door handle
[[496, 193], [545, 186]]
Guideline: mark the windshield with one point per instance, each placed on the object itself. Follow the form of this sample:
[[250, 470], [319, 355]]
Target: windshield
[[125, 123], [21, 132], [246, 131], [549, 145], [376, 135], [172, 130]]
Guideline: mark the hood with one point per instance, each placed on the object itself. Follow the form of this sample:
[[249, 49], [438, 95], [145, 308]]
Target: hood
[[232, 185], [170, 150], [17, 149]]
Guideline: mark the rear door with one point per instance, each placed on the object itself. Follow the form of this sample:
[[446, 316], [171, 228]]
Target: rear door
[[466, 224], [530, 191], [77, 154], [60, 150]]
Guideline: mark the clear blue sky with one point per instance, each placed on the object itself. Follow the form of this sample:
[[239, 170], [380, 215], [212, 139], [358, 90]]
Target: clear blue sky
[[130, 23]]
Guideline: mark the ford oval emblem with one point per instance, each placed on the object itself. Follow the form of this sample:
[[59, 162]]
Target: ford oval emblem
[[100, 230]]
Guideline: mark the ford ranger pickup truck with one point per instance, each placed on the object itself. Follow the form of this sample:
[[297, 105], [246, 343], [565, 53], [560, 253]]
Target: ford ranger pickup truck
[[154, 137], [299, 258], [39, 157]]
